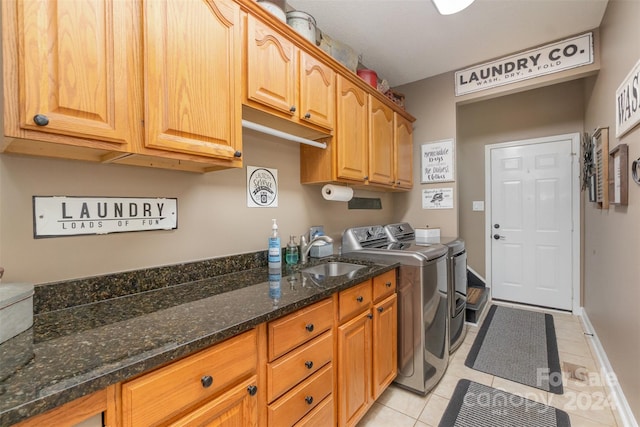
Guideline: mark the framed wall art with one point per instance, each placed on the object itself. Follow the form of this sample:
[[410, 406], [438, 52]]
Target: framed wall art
[[437, 161]]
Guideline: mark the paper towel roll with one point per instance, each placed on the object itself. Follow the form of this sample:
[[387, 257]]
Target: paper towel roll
[[337, 193]]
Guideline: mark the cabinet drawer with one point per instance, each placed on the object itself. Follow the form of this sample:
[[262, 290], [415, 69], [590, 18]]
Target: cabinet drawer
[[321, 416], [287, 333], [354, 300], [165, 392], [384, 285], [294, 405], [301, 363]]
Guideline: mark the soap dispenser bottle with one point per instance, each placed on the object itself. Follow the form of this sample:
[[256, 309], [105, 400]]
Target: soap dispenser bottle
[[274, 254], [291, 254]]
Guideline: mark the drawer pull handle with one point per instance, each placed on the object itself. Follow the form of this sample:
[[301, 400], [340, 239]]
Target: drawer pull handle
[[309, 399], [41, 120], [292, 109], [388, 284], [252, 390], [360, 299], [380, 309], [308, 364], [206, 381], [307, 116], [309, 327]]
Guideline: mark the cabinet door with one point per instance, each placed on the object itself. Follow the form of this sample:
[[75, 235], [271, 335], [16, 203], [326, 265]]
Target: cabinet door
[[236, 407], [404, 152], [385, 338], [354, 369], [192, 63], [74, 77], [271, 67], [351, 131], [381, 158], [317, 91]]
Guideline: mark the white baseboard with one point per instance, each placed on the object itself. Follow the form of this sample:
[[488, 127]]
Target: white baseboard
[[624, 410]]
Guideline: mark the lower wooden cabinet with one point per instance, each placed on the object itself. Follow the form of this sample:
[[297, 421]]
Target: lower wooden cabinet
[[189, 387], [300, 372], [236, 407], [367, 352], [354, 369], [323, 365]]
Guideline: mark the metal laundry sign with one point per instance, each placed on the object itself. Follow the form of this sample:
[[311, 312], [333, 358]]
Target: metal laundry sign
[[71, 216], [555, 57]]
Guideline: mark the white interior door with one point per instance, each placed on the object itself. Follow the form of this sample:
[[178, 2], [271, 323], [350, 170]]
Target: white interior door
[[531, 223]]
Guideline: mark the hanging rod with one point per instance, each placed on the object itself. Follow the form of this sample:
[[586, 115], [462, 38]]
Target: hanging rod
[[279, 134]]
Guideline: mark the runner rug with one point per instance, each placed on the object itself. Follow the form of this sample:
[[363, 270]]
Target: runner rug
[[477, 405], [520, 346]]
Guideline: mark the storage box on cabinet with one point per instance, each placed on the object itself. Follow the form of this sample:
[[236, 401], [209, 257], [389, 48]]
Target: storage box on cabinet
[[176, 389]]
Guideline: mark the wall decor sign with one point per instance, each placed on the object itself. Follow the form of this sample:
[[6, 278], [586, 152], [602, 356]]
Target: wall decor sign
[[55, 216], [437, 198], [628, 102], [552, 58], [262, 187], [437, 161]]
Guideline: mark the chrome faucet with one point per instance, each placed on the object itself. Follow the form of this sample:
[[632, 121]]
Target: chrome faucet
[[305, 247]]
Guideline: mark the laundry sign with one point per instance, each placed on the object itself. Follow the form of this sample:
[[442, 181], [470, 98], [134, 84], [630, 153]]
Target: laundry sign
[[555, 57], [71, 216], [628, 102]]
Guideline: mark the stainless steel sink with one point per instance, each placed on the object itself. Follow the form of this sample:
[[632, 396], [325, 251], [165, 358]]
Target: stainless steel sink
[[333, 269]]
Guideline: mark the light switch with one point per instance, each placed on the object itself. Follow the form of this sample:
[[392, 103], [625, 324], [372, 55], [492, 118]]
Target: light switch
[[478, 205]]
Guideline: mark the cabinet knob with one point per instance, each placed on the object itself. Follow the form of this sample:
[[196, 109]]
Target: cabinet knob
[[309, 327], [309, 399], [307, 116], [370, 316], [388, 284], [366, 178], [360, 299], [380, 309], [308, 364], [41, 120], [397, 182], [206, 381], [237, 154], [292, 109], [252, 390]]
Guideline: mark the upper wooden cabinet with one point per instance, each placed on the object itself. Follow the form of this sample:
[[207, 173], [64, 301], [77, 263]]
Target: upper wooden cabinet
[[271, 68], [317, 91], [372, 146], [381, 144], [67, 73], [191, 63], [286, 81], [403, 151], [153, 83], [351, 140]]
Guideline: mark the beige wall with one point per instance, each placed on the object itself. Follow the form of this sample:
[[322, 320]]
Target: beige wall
[[213, 217], [433, 105], [611, 263], [552, 110]]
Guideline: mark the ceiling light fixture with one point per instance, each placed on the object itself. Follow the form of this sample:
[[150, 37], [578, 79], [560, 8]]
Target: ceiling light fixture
[[449, 7]]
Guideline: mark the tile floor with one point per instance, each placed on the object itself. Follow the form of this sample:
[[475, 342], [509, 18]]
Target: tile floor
[[587, 403]]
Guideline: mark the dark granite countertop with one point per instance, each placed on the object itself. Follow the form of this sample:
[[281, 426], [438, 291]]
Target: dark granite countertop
[[74, 351]]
